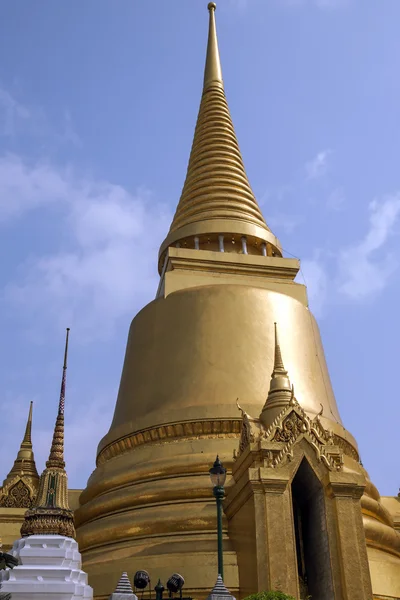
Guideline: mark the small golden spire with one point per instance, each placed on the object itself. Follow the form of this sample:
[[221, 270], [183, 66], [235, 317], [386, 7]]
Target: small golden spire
[[280, 388], [51, 513], [212, 71], [25, 460], [56, 457], [20, 486], [279, 368], [28, 431], [216, 198]]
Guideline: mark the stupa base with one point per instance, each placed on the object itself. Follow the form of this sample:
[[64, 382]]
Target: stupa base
[[50, 569]]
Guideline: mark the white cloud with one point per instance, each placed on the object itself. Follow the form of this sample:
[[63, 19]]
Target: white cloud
[[99, 267], [362, 271], [109, 264], [317, 167], [25, 187]]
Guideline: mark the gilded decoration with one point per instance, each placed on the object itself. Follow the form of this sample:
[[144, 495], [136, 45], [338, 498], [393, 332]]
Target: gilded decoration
[[45, 521], [50, 513], [172, 432], [203, 344], [291, 425], [21, 484], [18, 495]]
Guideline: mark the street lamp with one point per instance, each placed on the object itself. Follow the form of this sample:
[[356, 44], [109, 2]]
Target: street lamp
[[218, 476]]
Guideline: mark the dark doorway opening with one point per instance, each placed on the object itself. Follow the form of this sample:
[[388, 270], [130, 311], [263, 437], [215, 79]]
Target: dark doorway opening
[[312, 543]]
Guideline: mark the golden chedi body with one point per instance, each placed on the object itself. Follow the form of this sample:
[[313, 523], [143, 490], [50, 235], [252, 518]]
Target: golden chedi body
[[207, 339]]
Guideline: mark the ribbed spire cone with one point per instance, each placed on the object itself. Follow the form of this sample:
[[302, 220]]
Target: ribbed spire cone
[[219, 590], [216, 196], [124, 585], [56, 456], [51, 513]]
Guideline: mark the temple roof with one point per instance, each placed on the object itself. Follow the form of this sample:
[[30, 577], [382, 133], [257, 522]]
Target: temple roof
[[20, 486], [25, 462]]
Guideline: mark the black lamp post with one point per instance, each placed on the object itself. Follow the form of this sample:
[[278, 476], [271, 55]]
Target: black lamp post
[[218, 476]]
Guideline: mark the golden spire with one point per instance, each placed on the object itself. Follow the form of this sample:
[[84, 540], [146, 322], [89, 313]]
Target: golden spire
[[212, 71], [217, 198], [279, 368], [27, 441], [280, 389], [51, 513], [20, 486], [25, 461], [56, 457]]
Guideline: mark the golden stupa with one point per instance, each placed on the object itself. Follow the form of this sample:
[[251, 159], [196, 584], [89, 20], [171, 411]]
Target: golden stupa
[[228, 360]]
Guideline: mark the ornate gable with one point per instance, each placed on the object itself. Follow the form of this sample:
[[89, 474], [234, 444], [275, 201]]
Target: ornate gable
[[20, 492], [289, 427]]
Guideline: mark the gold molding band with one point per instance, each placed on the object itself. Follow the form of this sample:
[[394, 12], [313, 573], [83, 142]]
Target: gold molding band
[[207, 428], [163, 434]]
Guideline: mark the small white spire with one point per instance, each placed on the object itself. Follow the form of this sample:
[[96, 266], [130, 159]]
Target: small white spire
[[124, 585]]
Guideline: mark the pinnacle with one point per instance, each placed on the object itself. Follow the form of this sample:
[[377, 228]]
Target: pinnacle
[[124, 585], [278, 361], [28, 431], [219, 590], [216, 197], [50, 512]]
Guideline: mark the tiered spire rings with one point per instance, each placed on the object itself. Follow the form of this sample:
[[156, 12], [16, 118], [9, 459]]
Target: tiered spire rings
[[51, 513]]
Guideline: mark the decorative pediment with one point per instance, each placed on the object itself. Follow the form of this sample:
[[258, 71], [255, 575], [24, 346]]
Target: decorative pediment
[[289, 428], [291, 425], [18, 493]]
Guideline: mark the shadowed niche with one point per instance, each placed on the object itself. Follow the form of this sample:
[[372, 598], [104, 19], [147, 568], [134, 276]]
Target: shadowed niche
[[312, 543]]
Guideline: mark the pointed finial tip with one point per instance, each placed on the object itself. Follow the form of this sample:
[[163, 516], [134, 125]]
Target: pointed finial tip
[[212, 6]]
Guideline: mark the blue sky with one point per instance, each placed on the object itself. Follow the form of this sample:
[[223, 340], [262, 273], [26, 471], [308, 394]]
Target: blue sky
[[98, 102]]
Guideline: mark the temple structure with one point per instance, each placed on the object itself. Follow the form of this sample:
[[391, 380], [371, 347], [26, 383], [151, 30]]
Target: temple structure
[[49, 560], [228, 360]]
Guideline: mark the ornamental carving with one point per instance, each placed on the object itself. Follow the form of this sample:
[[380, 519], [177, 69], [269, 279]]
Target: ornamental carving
[[47, 521], [165, 434], [291, 428], [17, 496], [288, 428]]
